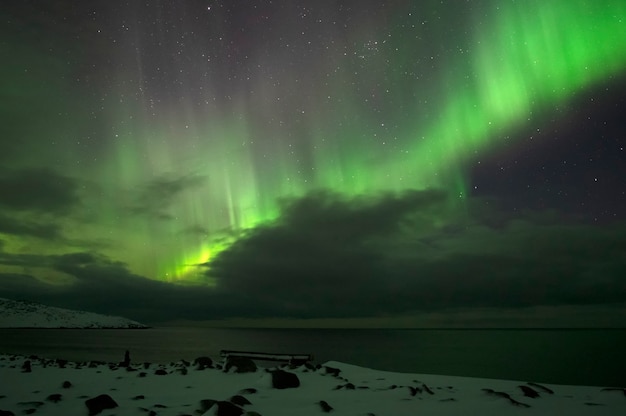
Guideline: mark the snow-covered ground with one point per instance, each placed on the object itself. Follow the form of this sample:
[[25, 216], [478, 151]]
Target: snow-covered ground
[[60, 388], [18, 314]]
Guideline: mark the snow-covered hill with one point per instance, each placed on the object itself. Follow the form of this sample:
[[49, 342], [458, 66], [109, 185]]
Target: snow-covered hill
[[19, 314]]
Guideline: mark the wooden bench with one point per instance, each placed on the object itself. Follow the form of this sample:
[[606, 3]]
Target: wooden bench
[[294, 359]]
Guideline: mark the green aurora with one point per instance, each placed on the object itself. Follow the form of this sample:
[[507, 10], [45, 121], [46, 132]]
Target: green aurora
[[517, 64]]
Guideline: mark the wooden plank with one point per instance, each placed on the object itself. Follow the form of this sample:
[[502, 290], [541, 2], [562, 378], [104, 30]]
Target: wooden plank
[[254, 355]]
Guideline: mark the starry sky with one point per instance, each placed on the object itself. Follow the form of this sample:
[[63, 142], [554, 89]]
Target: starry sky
[[411, 163]]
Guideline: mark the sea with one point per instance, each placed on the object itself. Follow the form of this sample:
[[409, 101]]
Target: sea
[[591, 357]]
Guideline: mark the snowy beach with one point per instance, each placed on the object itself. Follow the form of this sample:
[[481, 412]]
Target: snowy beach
[[32, 385]]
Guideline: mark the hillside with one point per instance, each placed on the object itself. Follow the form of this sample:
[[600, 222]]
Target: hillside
[[20, 314]]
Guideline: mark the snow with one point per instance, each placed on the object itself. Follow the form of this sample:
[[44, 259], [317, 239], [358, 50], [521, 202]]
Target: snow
[[355, 391], [18, 314]]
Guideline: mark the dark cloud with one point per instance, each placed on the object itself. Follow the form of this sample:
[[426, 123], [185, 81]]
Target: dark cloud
[[331, 257], [21, 227], [37, 190], [156, 197], [334, 257]]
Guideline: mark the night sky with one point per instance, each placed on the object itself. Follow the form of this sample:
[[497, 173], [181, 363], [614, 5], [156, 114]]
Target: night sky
[[407, 163]]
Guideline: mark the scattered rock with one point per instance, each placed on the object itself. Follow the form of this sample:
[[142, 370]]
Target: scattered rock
[[66, 384], [427, 389], [160, 372], [240, 364], [239, 400], [99, 403], [615, 389], [528, 392], [332, 371], [414, 390], [326, 408], [540, 387], [506, 396], [142, 374], [61, 363], [225, 408], [205, 405], [54, 398], [203, 362], [284, 380]]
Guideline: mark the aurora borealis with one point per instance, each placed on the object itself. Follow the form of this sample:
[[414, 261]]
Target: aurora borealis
[[313, 159]]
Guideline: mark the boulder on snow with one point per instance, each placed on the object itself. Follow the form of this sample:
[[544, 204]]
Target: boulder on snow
[[284, 380], [99, 403], [240, 364]]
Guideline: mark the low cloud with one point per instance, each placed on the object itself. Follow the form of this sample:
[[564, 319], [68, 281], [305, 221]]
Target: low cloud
[[331, 257]]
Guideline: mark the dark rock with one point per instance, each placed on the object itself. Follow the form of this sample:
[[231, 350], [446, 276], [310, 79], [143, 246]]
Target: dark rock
[[185, 363], [350, 386], [593, 404], [332, 371], [152, 413], [284, 380], [140, 397], [160, 372], [26, 367], [99, 403], [240, 364], [528, 392], [146, 365], [542, 388], [29, 411], [225, 408], [449, 399], [505, 396], [239, 400], [205, 405], [251, 413], [142, 374], [326, 408], [6, 413], [248, 391], [54, 398], [61, 363], [66, 384], [427, 389], [182, 371], [414, 390], [160, 406], [615, 389], [203, 362]]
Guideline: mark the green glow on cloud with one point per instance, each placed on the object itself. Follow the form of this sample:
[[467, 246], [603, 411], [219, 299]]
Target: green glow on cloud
[[530, 55], [225, 171]]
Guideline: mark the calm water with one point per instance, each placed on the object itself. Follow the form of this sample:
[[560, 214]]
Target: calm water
[[587, 357]]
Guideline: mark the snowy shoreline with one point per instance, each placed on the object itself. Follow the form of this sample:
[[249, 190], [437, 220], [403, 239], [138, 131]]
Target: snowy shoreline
[[33, 385]]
